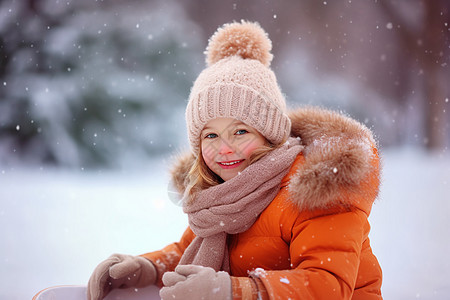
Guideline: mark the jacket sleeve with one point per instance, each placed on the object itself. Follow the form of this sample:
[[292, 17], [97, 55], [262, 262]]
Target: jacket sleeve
[[167, 258], [325, 254]]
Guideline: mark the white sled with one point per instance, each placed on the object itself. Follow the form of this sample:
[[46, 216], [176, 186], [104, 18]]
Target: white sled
[[78, 292]]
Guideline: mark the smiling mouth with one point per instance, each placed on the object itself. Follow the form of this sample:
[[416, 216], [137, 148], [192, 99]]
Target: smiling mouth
[[230, 164]]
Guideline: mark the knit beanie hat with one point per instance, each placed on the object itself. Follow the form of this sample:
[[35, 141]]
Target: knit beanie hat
[[238, 83]]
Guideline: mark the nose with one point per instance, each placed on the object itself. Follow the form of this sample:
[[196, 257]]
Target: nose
[[225, 147]]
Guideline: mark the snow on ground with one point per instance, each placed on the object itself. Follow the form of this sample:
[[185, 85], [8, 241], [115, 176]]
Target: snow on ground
[[56, 226], [410, 226]]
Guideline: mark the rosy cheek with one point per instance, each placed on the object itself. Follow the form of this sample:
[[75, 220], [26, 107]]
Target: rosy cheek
[[248, 148], [208, 155]]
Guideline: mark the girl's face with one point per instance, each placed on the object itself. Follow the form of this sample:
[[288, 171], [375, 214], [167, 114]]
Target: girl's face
[[227, 145]]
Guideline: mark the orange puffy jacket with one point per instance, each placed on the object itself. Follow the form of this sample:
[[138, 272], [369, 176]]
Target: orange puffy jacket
[[312, 241]]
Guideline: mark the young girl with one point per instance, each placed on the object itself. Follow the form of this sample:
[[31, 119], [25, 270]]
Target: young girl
[[277, 202]]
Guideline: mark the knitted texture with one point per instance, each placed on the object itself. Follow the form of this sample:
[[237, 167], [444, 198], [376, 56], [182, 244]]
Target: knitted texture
[[238, 83], [233, 206]]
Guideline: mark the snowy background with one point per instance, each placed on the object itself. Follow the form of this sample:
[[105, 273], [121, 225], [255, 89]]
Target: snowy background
[[92, 99], [56, 226]]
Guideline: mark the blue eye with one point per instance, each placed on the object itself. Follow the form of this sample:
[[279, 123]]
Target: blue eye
[[210, 136], [241, 131]]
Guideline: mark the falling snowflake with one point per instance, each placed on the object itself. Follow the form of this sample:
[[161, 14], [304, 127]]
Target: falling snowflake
[[284, 280]]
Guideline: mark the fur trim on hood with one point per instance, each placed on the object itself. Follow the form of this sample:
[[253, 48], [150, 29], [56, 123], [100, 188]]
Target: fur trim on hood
[[341, 163], [341, 167]]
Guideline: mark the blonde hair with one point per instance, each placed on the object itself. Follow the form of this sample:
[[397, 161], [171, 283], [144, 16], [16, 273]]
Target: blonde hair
[[201, 177]]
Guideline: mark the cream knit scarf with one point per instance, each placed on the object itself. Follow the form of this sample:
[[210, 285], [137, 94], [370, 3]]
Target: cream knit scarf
[[233, 206]]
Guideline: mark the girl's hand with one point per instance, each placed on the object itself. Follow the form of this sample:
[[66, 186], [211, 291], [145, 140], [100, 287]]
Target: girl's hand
[[120, 271], [196, 282]]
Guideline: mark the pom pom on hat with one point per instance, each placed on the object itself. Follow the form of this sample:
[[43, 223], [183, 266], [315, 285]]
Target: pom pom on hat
[[246, 39]]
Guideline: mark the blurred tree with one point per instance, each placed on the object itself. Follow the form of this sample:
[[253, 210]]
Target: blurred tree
[[427, 45], [90, 84]]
